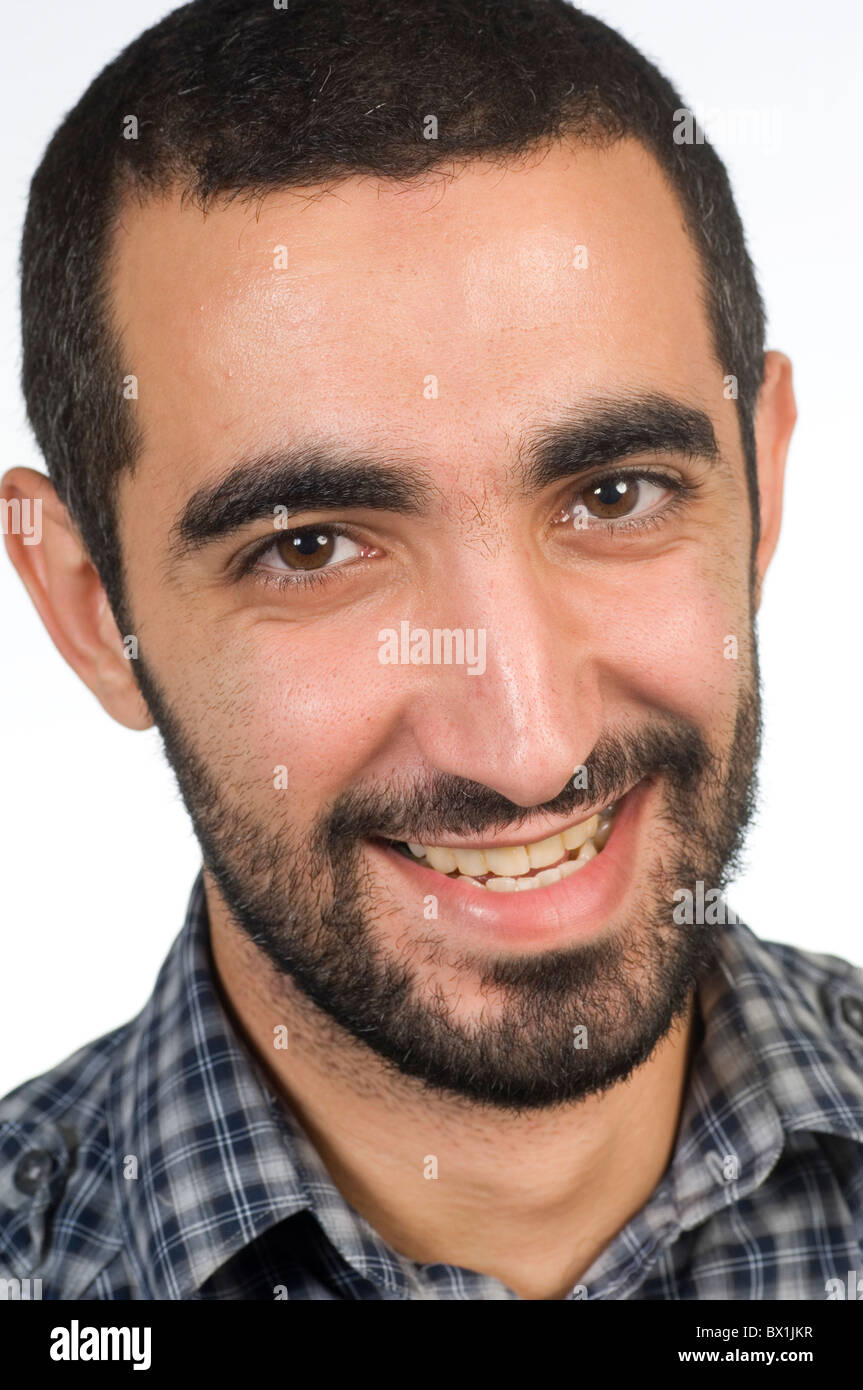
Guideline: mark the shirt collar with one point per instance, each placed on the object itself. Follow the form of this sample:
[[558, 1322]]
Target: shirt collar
[[218, 1161], [775, 1058], [214, 1167], [773, 1062]]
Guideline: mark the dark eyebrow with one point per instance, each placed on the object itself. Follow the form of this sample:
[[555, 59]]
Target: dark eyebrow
[[300, 479], [315, 478], [614, 430]]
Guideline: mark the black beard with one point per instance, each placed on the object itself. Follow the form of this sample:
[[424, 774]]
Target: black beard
[[310, 907]]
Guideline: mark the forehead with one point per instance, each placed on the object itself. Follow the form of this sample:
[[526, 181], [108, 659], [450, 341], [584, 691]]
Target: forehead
[[442, 312]]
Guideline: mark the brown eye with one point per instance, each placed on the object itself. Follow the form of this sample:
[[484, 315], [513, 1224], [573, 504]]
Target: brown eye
[[630, 498], [612, 498], [306, 550]]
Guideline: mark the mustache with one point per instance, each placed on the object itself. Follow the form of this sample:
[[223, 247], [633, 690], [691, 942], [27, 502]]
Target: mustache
[[673, 748]]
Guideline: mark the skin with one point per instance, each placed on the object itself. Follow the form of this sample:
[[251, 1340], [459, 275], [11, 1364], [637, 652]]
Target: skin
[[470, 279]]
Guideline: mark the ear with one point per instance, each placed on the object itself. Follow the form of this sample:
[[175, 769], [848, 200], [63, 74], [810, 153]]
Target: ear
[[775, 417], [46, 550]]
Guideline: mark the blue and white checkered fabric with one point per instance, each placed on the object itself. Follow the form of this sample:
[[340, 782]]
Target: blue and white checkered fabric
[[155, 1163]]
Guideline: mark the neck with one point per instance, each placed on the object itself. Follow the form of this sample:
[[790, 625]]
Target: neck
[[531, 1198]]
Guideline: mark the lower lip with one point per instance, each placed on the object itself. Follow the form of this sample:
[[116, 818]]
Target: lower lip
[[573, 909]]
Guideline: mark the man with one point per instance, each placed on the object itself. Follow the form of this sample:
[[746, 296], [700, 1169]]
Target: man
[[415, 465]]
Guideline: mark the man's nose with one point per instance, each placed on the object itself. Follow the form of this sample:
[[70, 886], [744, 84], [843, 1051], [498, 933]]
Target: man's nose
[[529, 719]]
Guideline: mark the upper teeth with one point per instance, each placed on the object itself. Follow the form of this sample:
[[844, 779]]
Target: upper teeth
[[514, 861]]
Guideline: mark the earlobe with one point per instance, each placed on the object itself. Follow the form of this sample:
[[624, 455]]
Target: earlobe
[[53, 564], [776, 415], [120, 693]]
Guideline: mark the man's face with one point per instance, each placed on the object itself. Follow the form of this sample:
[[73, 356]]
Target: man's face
[[445, 333]]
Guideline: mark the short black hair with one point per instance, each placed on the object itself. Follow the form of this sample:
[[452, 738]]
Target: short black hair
[[234, 98]]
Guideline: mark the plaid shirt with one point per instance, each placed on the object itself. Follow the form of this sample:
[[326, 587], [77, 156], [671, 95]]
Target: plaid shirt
[[155, 1163]]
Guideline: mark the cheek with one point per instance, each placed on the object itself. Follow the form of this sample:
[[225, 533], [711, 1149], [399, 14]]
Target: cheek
[[677, 636], [318, 705]]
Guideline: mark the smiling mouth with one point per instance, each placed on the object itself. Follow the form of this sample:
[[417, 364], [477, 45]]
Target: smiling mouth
[[517, 868]]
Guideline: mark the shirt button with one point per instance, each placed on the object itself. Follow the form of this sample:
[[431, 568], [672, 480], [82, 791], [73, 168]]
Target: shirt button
[[33, 1168], [852, 1011]]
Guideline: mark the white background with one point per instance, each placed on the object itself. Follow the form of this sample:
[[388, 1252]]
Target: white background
[[96, 852]]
